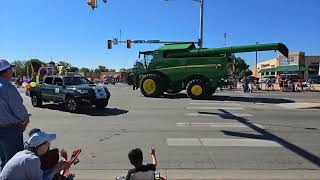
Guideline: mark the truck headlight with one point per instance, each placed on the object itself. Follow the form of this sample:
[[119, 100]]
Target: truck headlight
[[83, 91]]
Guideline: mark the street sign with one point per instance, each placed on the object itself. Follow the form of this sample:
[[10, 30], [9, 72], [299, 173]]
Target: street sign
[[153, 41], [139, 41], [115, 41]]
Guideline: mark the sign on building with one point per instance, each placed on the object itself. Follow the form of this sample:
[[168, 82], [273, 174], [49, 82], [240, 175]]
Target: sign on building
[[292, 60]]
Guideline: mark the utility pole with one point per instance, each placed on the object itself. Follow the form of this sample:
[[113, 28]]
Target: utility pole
[[201, 23], [200, 39], [257, 60]]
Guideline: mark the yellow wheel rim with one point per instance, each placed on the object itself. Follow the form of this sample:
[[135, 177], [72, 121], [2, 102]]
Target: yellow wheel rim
[[196, 90], [149, 86]]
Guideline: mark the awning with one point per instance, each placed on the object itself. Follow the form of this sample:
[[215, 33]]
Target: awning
[[268, 70], [291, 68]]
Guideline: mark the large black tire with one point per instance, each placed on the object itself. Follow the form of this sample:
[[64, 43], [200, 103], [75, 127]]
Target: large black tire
[[36, 101], [152, 85], [101, 105], [71, 104], [210, 90], [196, 89]]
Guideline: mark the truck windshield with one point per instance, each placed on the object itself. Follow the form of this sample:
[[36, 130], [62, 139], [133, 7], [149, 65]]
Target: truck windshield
[[69, 81]]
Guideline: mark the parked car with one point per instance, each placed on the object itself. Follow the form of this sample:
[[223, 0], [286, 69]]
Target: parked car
[[109, 80], [314, 80], [252, 79], [73, 91], [264, 79]]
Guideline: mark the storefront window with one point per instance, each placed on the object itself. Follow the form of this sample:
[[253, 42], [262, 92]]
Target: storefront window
[[273, 73]]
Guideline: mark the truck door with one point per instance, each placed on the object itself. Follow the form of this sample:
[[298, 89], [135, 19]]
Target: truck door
[[57, 89], [46, 88]]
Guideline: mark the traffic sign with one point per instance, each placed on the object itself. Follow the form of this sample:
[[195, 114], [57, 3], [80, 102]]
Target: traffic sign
[[115, 41]]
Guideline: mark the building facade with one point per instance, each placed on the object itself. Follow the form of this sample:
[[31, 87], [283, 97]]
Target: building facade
[[297, 65]]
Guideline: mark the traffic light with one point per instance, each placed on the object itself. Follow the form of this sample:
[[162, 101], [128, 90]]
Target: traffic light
[[92, 3], [109, 44], [128, 44]]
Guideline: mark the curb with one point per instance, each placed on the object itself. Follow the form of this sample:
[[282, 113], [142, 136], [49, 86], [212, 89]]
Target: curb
[[206, 174]]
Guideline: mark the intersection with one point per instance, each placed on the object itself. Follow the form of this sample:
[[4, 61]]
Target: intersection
[[231, 131]]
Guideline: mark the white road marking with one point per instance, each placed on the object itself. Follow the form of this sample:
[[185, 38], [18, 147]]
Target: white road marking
[[214, 125], [228, 108], [239, 142], [216, 142], [215, 115]]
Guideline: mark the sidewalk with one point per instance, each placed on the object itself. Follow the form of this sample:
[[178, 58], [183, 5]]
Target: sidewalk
[[206, 174], [277, 88]]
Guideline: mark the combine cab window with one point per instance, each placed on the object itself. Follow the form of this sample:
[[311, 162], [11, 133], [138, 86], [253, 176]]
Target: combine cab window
[[148, 58]]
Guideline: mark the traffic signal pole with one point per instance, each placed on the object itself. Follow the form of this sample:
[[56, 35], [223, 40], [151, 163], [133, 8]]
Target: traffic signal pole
[[93, 5]]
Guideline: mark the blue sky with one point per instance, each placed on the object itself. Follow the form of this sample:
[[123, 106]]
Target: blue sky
[[69, 30]]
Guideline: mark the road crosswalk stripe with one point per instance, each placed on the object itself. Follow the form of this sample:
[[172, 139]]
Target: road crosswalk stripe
[[208, 107], [215, 115], [214, 125], [218, 142]]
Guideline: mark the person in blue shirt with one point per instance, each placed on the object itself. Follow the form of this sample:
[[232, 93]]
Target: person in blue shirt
[[26, 164], [14, 117]]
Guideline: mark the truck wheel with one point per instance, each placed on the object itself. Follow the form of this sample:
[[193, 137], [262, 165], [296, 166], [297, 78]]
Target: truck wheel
[[101, 105], [71, 104], [196, 89], [151, 85], [36, 100], [210, 90]]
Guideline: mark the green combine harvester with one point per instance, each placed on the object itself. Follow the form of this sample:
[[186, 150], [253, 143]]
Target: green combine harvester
[[176, 67]]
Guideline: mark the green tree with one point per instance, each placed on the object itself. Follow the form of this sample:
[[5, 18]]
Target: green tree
[[73, 69], [240, 67], [102, 69], [20, 68], [124, 70], [65, 64], [85, 70], [32, 66]]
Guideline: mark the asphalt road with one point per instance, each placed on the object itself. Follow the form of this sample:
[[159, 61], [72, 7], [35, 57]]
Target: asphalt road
[[231, 130]]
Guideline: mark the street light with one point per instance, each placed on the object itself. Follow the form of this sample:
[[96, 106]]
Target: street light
[[200, 40]]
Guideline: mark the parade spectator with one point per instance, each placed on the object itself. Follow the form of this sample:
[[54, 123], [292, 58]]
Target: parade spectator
[[281, 83], [269, 84], [300, 85], [14, 117], [141, 171], [26, 164], [250, 87], [291, 86]]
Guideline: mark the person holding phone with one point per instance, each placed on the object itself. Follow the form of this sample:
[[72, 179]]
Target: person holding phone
[[141, 171], [26, 164]]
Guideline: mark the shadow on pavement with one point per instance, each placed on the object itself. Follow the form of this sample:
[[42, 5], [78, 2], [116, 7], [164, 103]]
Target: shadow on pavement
[[234, 98], [87, 110], [264, 134]]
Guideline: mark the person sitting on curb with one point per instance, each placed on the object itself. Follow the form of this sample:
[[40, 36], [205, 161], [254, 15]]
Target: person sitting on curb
[[26, 164], [141, 171]]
